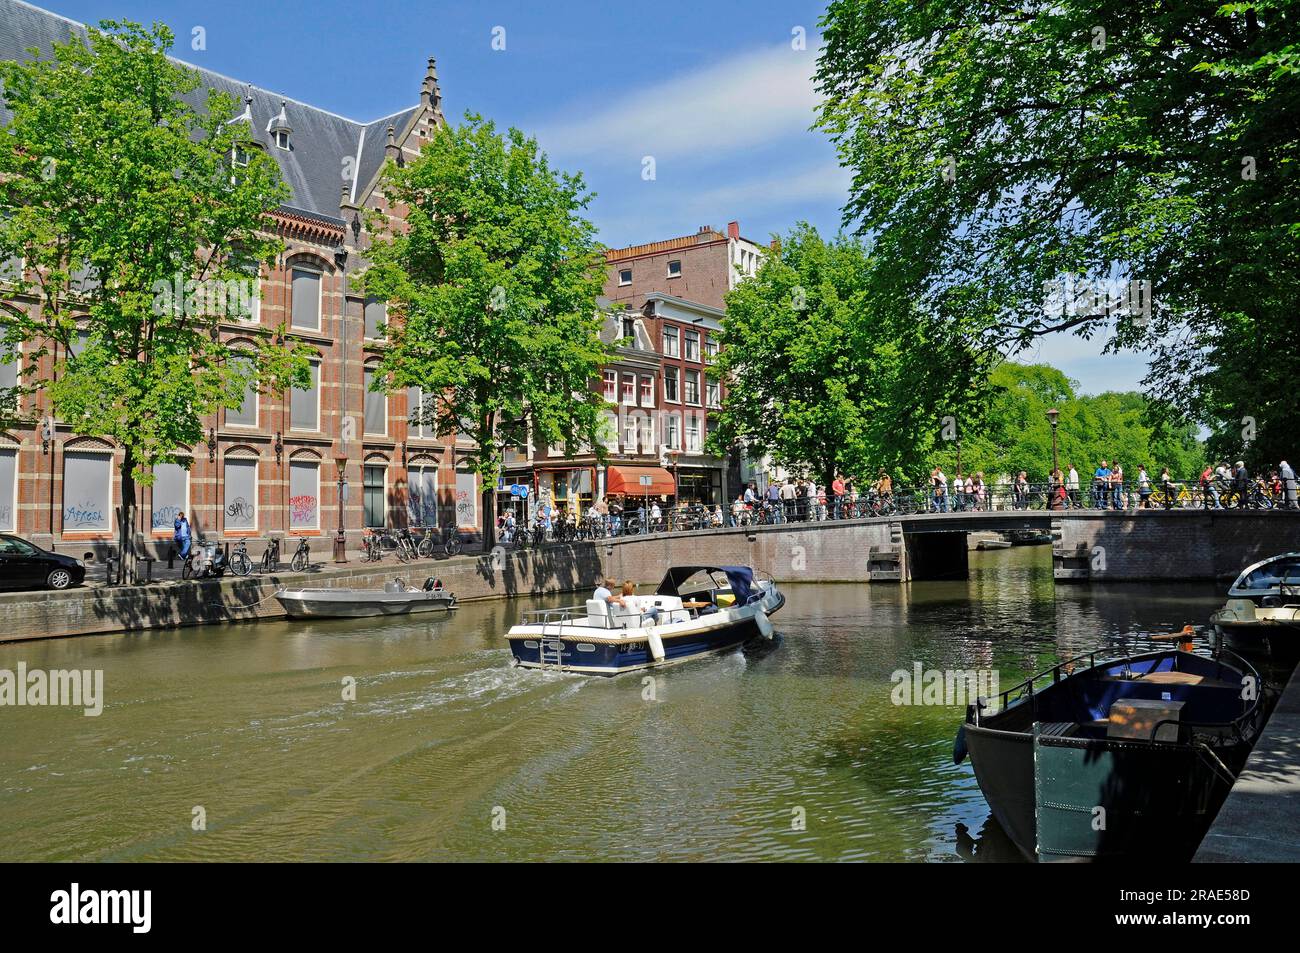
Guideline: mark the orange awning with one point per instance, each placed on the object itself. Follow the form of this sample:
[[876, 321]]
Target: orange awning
[[629, 481]]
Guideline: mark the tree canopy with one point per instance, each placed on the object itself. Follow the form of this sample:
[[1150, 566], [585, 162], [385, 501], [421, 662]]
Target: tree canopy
[[139, 236], [1012, 433], [822, 381], [998, 148], [493, 287]]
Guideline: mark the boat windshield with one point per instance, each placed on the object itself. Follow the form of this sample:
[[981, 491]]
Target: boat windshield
[[1270, 575]]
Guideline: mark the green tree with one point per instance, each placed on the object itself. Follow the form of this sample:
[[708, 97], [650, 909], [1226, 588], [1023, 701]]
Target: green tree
[[997, 147], [1013, 432], [820, 381], [492, 286], [117, 192]]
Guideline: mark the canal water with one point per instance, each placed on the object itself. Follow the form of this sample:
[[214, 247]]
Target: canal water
[[795, 752]]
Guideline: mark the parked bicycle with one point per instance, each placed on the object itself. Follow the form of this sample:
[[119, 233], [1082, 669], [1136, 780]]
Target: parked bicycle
[[240, 563], [271, 555], [301, 557], [372, 549]]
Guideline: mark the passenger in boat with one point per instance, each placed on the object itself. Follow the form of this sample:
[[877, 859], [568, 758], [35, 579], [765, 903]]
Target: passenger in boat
[[605, 593], [629, 589]]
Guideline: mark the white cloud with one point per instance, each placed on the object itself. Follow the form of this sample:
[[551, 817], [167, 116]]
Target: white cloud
[[740, 102]]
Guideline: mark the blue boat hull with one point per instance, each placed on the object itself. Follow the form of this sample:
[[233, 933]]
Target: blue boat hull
[[603, 659]]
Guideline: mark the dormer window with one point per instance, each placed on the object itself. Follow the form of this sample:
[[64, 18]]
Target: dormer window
[[239, 156], [278, 128]]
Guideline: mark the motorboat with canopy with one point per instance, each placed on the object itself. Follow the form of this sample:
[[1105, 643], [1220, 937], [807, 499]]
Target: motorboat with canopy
[[1262, 614], [696, 610]]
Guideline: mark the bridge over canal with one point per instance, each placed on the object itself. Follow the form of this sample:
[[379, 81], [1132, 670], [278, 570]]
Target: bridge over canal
[[1087, 545]]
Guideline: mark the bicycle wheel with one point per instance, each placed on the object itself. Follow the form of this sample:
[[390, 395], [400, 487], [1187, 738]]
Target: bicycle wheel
[[240, 564], [425, 549], [187, 570], [301, 560], [452, 546], [266, 561]]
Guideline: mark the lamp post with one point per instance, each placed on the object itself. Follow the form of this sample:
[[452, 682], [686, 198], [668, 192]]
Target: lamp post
[[340, 537], [1052, 414]]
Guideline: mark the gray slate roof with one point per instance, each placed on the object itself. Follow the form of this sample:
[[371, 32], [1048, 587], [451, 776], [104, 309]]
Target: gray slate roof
[[313, 165]]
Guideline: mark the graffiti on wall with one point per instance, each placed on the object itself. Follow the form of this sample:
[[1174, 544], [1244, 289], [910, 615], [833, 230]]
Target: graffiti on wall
[[303, 510], [83, 515], [164, 517]]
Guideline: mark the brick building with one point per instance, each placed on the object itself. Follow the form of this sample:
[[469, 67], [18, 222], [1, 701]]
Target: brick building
[[666, 300], [274, 465]]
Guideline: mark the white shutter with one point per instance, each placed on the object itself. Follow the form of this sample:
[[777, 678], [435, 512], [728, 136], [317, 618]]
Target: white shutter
[[87, 480], [240, 479], [376, 406], [245, 415], [304, 405], [376, 314], [306, 299], [466, 499], [169, 494], [304, 494], [8, 489]]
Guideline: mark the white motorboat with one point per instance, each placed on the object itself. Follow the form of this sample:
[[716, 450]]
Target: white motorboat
[[396, 598], [697, 610], [1263, 608]]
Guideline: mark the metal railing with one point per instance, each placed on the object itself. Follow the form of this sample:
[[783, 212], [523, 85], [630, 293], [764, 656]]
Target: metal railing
[[639, 520]]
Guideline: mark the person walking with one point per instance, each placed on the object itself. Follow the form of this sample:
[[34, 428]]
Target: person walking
[[1144, 487], [1020, 491], [1117, 486], [1241, 484], [1287, 475], [1072, 486], [1100, 486], [789, 500], [939, 490], [837, 496], [181, 535]]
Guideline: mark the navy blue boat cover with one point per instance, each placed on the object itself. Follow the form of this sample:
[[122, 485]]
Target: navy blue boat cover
[[740, 578]]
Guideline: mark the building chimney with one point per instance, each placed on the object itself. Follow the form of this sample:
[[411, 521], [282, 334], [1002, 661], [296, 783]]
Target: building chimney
[[733, 231], [391, 149]]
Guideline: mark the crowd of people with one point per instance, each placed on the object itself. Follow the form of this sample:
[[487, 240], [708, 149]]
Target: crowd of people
[[798, 499]]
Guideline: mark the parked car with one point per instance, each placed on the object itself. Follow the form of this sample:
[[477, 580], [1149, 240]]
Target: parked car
[[26, 566]]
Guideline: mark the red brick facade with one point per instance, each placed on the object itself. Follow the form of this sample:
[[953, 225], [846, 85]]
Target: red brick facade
[[293, 464]]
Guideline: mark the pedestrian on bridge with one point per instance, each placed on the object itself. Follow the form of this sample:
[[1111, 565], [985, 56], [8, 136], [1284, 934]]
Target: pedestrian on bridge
[[1072, 485], [1287, 475]]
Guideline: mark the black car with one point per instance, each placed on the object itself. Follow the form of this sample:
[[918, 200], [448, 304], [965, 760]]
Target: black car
[[24, 566]]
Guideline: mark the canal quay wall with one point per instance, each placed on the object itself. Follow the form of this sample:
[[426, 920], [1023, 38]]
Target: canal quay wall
[[1087, 547], [1155, 545], [103, 609]]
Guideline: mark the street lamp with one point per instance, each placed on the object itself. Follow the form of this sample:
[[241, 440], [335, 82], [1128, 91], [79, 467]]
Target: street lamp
[[1052, 414], [340, 537]]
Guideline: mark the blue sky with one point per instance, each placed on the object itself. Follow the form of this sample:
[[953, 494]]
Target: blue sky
[[712, 90]]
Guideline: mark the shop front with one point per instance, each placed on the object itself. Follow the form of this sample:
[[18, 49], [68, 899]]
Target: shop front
[[700, 485], [568, 489], [639, 483]]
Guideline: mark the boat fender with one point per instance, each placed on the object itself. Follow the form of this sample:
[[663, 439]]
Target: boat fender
[[959, 749], [656, 645], [764, 624]]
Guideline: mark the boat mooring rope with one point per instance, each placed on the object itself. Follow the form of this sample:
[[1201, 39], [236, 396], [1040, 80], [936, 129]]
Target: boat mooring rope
[[250, 605]]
